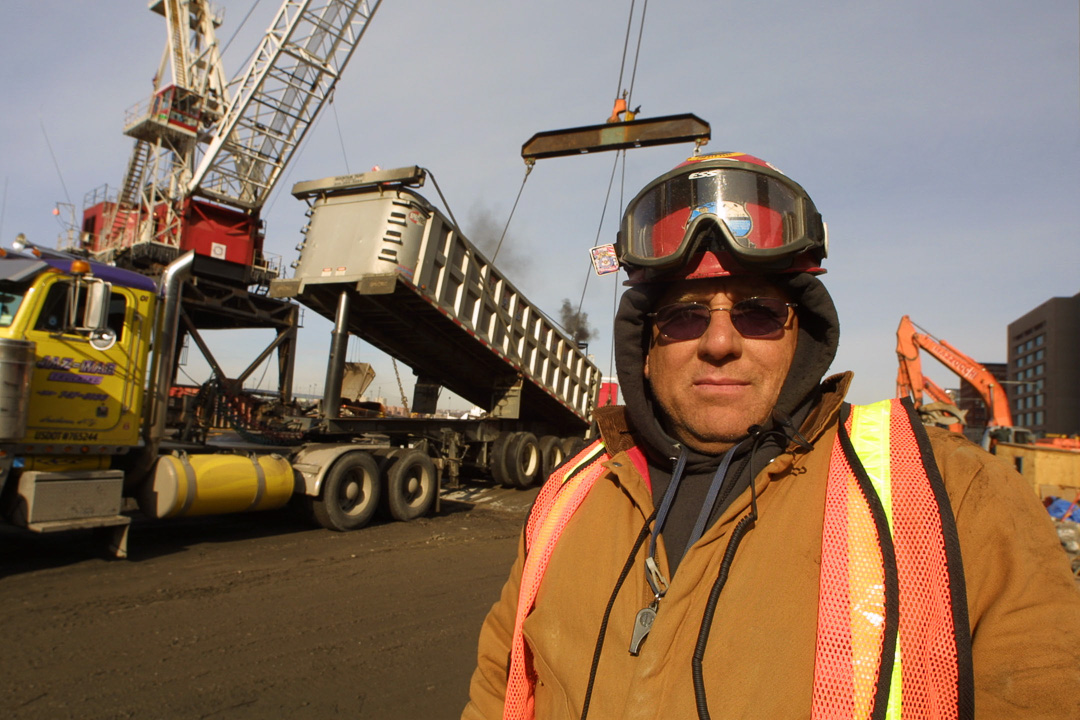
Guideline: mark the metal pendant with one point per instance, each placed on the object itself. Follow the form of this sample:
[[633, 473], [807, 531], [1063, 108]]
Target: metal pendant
[[642, 625]]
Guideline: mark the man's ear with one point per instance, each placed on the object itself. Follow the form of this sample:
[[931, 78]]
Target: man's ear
[[645, 370]]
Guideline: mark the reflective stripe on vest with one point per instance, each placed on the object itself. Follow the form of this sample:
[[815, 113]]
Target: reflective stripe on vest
[[559, 498], [893, 639], [891, 603]]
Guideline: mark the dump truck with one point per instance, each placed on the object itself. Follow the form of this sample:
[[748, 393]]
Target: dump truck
[[88, 358]]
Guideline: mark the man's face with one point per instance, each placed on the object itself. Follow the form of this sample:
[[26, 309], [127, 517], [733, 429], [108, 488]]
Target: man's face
[[713, 388]]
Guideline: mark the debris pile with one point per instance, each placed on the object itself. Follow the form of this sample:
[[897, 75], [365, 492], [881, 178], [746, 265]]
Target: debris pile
[[1069, 534]]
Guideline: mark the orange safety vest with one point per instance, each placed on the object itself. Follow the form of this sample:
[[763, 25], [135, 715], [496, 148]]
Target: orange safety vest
[[893, 639]]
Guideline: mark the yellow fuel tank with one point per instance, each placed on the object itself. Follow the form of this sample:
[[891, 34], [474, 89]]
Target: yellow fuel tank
[[186, 485]]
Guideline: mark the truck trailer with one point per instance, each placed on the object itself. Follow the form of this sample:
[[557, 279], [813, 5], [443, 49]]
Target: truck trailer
[[88, 357]]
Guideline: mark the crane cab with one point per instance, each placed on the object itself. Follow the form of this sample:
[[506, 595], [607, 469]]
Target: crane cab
[[173, 112]]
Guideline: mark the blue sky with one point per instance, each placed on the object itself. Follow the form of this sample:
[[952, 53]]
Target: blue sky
[[941, 141]]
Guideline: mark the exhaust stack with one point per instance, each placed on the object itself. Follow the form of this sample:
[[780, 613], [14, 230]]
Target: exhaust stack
[[170, 288]]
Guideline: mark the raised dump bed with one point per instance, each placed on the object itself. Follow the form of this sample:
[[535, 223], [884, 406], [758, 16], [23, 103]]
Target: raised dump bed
[[408, 282]]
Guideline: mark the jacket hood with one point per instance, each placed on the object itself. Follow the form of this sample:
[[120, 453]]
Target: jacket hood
[[819, 335]]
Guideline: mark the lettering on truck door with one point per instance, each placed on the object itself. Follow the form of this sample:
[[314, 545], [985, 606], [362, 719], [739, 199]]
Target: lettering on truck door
[[78, 393]]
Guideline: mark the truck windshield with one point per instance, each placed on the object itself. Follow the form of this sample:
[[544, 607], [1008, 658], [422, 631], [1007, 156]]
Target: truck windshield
[[11, 296]]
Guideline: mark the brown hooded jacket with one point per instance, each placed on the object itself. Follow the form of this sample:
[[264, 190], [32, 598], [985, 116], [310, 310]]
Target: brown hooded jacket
[[1023, 605]]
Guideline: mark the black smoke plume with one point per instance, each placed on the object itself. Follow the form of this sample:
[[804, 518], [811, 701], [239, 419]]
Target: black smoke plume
[[575, 322]]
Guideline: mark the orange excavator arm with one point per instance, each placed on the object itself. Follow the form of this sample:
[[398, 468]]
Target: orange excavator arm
[[943, 410], [909, 341], [936, 391], [909, 377]]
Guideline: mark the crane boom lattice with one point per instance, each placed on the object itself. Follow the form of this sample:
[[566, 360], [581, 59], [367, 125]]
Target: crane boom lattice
[[208, 153], [276, 100]]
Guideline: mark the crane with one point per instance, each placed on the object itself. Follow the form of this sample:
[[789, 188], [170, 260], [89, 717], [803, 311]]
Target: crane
[[207, 152], [910, 382]]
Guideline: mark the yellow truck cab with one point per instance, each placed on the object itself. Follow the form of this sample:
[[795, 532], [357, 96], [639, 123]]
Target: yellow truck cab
[[74, 343]]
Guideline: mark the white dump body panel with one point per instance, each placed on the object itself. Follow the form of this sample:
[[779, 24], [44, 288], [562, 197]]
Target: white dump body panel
[[420, 291]]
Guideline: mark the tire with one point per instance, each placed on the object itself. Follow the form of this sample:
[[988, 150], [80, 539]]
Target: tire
[[523, 459], [384, 458], [350, 493], [551, 455], [410, 485], [572, 446], [497, 460]]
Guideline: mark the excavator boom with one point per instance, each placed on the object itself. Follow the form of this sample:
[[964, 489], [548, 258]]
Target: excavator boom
[[911, 382]]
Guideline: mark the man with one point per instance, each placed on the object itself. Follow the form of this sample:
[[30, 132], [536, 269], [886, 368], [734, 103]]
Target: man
[[741, 543]]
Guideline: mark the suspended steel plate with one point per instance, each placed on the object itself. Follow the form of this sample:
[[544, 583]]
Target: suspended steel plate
[[616, 136]]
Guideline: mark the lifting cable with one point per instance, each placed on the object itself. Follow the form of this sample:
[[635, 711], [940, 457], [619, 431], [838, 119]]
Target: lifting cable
[[528, 169], [637, 52], [529, 163], [603, 212], [544, 145], [627, 94], [615, 287], [237, 32], [341, 137]]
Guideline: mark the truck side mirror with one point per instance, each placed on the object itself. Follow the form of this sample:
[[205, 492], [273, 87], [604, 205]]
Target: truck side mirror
[[96, 314]]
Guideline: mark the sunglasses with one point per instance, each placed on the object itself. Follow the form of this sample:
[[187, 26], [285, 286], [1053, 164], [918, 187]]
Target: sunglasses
[[757, 317]]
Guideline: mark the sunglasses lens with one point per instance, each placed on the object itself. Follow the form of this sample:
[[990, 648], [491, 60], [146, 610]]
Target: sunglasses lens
[[759, 317], [752, 318], [683, 322]]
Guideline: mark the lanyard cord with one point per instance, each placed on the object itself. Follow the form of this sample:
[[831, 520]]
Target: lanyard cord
[[758, 436], [657, 582], [714, 595], [627, 567], [652, 573], [710, 499], [656, 519]]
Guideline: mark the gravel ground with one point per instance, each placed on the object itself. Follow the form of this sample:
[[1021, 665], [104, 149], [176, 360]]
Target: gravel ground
[[255, 616]]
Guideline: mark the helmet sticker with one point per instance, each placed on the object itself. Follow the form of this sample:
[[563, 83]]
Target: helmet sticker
[[706, 209], [704, 174], [604, 259], [737, 219], [734, 215]]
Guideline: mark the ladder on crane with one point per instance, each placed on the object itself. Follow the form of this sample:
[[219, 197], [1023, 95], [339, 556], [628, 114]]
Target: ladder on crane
[[199, 137], [208, 153]]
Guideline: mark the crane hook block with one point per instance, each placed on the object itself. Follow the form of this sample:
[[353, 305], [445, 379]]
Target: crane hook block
[[665, 130], [618, 111]]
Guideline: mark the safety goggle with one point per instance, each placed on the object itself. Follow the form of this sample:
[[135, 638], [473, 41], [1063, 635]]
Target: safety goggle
[[758, 317], [759, 215]]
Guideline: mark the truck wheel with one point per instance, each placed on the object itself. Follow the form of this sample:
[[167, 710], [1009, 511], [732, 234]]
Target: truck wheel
[[572, 446], [551, 455], [523, 459], [350, 493], [410, 485], [497, 460]]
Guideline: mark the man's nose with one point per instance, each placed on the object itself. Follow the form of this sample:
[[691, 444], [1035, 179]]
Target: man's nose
[[721, 339]]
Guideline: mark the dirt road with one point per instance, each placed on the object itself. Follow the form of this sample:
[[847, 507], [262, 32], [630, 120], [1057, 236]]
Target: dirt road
[[257, 616]]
